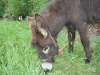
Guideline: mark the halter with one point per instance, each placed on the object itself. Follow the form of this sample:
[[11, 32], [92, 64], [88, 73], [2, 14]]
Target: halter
[[53, 39], [44, 60]]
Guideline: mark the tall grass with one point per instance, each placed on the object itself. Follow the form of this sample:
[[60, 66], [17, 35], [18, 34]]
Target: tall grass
[[17, 57]]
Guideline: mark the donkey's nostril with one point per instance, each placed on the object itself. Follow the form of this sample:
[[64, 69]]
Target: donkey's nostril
[[46, 71]]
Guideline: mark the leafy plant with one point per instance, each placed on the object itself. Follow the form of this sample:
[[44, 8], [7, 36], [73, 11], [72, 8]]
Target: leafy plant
[[20, 7], [2, 7], [26, 7]]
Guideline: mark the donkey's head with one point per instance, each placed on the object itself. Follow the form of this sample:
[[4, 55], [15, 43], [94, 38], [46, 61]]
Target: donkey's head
[[42, 41]]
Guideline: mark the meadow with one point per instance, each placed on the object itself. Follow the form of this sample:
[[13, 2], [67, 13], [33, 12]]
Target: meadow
[[17, 57]]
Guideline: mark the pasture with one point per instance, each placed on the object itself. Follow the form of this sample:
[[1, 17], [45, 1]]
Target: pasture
[[17, 57]]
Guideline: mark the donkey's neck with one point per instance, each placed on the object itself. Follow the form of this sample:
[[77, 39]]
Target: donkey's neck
[[54, 24], [54, 18]]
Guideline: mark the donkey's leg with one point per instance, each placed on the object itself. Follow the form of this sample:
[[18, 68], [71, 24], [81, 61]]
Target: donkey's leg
[[71, 38], [85, 40]]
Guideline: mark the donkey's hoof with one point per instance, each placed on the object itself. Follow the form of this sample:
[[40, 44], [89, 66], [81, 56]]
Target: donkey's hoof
[[87, 61]]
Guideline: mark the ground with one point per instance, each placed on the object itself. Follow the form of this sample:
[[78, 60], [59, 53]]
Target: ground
[[17, 57]]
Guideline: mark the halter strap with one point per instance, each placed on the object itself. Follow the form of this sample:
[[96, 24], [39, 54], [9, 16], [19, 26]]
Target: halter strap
[[53, 39]]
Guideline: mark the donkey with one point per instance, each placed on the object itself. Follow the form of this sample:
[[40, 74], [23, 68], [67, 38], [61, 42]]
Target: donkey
[[74, 14]]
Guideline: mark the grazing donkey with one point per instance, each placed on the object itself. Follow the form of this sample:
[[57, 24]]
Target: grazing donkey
[[74, 14]]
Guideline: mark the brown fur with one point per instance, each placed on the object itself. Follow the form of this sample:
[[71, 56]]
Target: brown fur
[[74, 14]]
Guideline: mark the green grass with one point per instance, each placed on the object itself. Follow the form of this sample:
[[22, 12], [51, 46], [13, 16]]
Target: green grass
[[17, 57]]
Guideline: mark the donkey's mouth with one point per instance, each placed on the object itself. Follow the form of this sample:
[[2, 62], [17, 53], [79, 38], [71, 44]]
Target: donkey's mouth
[[47, 67]]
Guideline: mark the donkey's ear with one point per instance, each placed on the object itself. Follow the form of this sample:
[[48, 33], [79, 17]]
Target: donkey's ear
[[41, 25], [33, 28], [30, 21]]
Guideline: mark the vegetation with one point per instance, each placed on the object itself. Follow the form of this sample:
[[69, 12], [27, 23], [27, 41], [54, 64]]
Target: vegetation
[[17, 57], [26, 7], [2, 7], [38, 5], [20, 6]]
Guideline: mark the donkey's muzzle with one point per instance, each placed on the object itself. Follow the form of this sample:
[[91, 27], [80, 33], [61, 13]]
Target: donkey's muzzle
[[47, 67]]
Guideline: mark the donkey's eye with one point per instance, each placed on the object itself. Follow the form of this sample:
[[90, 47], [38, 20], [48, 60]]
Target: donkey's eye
[[46, 49]]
